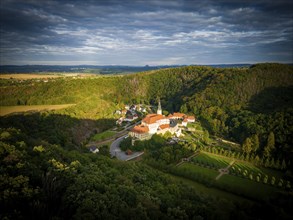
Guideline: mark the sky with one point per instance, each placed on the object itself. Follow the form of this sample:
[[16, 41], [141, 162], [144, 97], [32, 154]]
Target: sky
[[145, 32]]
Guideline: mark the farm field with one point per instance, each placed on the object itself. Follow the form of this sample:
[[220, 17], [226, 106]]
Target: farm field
[[28, 76], [41, 76], [5, 110]]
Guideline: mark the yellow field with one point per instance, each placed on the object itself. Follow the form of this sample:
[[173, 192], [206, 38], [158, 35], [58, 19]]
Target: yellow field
[[5, 110], [41, 76]]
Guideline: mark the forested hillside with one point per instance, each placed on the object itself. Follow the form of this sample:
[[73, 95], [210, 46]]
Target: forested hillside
[[45, 171], [49, 182], [233, 102]]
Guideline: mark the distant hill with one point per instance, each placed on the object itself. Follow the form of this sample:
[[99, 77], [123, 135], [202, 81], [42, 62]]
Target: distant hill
[[104, 69], [75, 69]]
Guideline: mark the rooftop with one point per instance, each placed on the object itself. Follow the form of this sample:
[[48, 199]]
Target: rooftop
[[140, 129], [152, 118], [164, 126]]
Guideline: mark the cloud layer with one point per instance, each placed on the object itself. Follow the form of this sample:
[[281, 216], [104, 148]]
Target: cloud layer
[[137, 32]]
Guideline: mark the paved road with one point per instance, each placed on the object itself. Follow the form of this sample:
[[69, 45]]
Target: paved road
[[115, 150]]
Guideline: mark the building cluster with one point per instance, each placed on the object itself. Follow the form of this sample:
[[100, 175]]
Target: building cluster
[[160, 124], [129, 113]]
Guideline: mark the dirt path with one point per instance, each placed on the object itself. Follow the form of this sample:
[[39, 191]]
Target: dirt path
[[225, 170], [187, 159]]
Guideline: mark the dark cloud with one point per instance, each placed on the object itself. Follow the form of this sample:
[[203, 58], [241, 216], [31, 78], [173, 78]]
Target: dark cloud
[[145, 32]]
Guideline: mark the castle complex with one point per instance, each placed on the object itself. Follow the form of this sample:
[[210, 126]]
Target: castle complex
[[160, 124]]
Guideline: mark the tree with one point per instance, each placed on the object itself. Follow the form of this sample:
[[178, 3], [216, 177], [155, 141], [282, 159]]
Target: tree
[[283, 165], [206, 137], [247, 157], [270, 145], [247, 146], [273, 180], [183, 109], [255, 142], [256, 160], [193, 147], [265, 180], [267, 162], [277, 164], [272, 163]]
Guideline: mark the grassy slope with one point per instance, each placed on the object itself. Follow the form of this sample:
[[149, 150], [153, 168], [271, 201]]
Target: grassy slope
[[102, 136]]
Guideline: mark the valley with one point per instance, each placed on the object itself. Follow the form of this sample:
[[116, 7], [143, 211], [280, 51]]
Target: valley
[[242, 130]]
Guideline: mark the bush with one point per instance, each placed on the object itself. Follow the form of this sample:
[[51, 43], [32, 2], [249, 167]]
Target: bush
[[273, 180], [288, 185], [265, 180]]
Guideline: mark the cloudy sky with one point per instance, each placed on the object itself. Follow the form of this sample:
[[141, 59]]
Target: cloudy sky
[[145, 32]]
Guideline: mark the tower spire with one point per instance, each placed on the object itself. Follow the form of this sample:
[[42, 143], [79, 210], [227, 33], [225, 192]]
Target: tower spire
[[159, 111]]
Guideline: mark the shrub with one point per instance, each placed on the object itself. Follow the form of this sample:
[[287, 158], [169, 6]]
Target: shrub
[[273, 180], [288, 185], [265, 180]]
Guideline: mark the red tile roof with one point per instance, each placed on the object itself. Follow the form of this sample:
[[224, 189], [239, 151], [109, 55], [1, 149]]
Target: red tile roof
[[178, 114], [140, 129], [164, 126], [152, 118]]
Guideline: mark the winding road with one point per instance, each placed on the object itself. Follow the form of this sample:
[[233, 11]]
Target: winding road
[[115, 150]]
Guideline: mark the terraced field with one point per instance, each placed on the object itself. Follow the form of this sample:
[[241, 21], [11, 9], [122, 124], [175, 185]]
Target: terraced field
[[212, 160], [204, 168]]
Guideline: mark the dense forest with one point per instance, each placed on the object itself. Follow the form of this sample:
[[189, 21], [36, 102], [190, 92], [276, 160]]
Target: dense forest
[[49, 181], [47, 173]]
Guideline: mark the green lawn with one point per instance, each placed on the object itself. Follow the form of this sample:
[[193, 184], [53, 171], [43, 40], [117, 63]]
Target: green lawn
[[103, 136]]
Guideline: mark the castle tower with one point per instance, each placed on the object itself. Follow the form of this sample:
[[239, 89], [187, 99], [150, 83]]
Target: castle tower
[[159, 111]]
